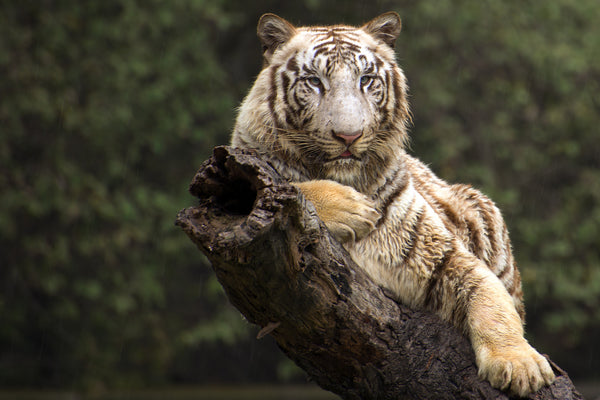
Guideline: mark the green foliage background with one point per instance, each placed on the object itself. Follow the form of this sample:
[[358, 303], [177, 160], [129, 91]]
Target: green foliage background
[[107, 109]]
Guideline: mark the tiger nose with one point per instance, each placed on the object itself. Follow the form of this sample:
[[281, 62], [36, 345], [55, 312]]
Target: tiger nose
[[347, 137]]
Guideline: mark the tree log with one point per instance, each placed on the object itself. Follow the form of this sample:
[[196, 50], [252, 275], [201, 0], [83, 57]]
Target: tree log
[[284, 272]]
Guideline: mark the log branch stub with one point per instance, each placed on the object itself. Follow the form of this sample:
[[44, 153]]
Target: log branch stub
[[283, 271]]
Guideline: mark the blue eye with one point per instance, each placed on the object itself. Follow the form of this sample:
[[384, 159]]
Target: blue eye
[[314, 81], [365, 80]]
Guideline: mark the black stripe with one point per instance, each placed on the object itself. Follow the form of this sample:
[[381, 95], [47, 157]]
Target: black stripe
[[322, 50], [272, 90], [363, 60], [505, 270], [392, 197], [369, 69], [448, 212], [292, 64], [383, 107], [475, 244], [388, 180], [291, 122], [433, 302], [398, 93], [285, 83], [415, 234], [491, 229], [463, 299]]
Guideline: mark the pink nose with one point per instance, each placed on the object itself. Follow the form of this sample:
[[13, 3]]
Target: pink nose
[[347, 137]]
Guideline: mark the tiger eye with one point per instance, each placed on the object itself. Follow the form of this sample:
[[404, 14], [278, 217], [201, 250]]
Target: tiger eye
[[365, 79], [315, 81]]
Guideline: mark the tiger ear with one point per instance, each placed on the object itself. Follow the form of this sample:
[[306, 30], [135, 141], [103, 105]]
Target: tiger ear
[[386, 28], [273, 31]]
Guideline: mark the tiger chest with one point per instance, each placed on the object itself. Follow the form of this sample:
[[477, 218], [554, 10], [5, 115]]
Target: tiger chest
[[402, 252]]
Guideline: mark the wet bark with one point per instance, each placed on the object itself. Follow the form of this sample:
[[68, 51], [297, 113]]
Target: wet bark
[[284, 272]]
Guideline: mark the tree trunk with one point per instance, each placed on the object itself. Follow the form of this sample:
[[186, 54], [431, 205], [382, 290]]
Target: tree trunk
[[284, 272]]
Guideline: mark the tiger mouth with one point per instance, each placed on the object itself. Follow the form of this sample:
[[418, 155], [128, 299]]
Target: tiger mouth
[[346, 155]]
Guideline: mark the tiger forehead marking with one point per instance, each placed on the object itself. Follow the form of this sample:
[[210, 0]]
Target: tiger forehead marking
[[326, 58], [333, 47], [337, 45]]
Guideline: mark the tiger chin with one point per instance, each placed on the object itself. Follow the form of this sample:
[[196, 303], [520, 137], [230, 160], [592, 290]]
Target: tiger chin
[[329, 110]]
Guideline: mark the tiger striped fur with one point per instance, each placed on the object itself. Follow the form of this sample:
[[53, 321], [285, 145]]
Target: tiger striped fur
[[329, 110]]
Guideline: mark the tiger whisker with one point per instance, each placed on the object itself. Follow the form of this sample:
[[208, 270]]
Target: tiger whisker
[[281, 129]]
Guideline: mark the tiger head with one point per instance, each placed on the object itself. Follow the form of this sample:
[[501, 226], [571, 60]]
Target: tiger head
[[330, 101]]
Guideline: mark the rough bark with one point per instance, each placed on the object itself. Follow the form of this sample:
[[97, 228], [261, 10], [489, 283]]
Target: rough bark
[[282, 270]]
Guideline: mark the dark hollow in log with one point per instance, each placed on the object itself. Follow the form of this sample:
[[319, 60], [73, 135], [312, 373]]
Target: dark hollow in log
[[282, 270]]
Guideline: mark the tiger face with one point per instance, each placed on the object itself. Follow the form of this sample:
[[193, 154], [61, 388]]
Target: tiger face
[[332, 100]]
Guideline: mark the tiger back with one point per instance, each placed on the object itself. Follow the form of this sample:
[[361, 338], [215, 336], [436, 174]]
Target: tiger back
[[329, 110]]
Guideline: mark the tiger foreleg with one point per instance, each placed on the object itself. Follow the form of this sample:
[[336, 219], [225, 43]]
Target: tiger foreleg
[[503, 355]]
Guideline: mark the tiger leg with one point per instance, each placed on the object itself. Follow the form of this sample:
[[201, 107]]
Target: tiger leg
[[503, 355]]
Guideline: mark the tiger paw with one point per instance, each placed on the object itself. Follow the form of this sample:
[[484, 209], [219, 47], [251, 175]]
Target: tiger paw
[[348, 214], [520, 370]]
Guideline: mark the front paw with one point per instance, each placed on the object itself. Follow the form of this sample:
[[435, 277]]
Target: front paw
[[348, 214], [520, 370]]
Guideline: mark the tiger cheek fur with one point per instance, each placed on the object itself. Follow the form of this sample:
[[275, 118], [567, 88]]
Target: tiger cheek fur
[[330, 112]]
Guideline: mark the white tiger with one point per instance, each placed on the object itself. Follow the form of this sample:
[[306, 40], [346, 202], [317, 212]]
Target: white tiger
[[329, 109]]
